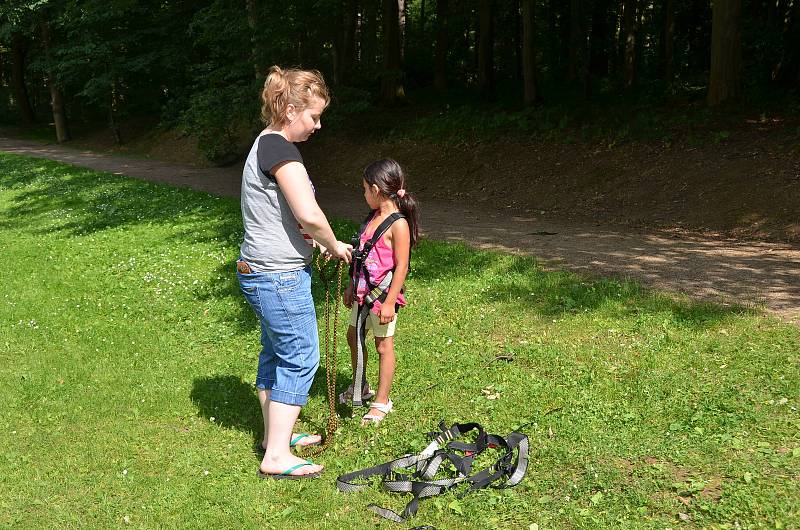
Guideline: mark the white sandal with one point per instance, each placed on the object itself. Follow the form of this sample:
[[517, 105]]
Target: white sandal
[[347, 396], [386, 408]]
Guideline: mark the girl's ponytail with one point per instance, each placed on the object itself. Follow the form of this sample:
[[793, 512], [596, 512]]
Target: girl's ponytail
[[407, 205]]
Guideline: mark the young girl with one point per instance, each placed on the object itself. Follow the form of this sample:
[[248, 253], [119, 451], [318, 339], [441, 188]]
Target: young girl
[[380, 266]]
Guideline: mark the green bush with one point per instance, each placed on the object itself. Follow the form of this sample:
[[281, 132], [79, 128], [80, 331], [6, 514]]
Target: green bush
[[215, 116]]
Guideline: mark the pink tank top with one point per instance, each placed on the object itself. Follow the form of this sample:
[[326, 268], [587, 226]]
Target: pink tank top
[[379, 261]]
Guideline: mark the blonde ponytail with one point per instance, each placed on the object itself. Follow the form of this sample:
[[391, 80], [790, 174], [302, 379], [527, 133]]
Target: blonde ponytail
[[290, 86]]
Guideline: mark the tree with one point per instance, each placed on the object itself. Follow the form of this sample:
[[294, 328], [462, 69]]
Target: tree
[[346, 43], [18, 77], [787, 71], [576, 67], [253, 25], [600, 39], [391, 78], [440, 65], [530, 94], [368, 33], [668, 36], [725, 82], [485, 47], [56, 98], [629, 30]]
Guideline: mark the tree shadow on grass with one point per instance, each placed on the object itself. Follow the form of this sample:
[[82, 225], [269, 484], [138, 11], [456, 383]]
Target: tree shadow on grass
[[521, 282], [79, 202], [233, 403]]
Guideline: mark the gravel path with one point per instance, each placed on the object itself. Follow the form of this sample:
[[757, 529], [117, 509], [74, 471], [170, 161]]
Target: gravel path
[[703, 267]]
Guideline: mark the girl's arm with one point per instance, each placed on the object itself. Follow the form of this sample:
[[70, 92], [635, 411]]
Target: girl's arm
[[401, 247]]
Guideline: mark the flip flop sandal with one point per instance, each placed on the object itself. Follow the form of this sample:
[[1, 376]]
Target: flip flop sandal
[[258, 448], [287, 475], [295, 441], [386, 408]]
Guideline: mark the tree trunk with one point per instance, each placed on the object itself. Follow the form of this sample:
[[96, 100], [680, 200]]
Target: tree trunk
[[629, 18], [600, 39], [59, 115], [56, 98], [554, 35], [440, 73], [529, 52], [775, 10], [668, 47], [402, 8], [346, 43], [787, 71], [369, 34], [112, 108], [18, 78], [251, 7], [576, 69], [391, 79], [485, 48], [725, 83]]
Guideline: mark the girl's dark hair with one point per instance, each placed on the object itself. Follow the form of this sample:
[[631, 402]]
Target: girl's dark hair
[[389, 177]]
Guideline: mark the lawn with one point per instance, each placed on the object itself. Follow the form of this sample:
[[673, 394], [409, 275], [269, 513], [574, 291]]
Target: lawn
[[127, 357]]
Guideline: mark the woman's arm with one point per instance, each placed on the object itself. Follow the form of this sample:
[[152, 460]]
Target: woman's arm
[[400, 237], [296, 187]]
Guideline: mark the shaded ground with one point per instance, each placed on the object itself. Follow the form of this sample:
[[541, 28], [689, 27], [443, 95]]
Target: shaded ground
[[745, 185], [701, 264]]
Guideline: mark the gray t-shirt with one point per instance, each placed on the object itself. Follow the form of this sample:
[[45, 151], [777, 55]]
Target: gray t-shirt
[[273, 239]]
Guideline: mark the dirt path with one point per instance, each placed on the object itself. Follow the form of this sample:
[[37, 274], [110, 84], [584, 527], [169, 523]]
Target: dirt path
[[704, 267]]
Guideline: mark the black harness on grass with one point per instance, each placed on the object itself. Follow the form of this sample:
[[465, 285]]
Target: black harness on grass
[[358, 269], [416, 474]]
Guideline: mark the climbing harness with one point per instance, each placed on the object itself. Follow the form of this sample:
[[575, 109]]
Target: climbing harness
[[358, 268], [330, 349], [416, 474]]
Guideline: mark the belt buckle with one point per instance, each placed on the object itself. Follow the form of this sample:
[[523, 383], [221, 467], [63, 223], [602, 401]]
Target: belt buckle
[[243, 267]]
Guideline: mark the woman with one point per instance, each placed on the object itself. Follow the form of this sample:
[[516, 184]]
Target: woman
[[282, 220]]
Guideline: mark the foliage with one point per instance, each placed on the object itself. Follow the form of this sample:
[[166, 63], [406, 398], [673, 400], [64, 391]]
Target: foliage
[[128, 353], [197, 62]]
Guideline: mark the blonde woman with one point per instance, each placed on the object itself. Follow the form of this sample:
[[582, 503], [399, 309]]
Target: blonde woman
[[282, 220]]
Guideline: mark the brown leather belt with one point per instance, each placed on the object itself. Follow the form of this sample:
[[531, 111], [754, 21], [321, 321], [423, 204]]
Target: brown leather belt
[[243, 267]]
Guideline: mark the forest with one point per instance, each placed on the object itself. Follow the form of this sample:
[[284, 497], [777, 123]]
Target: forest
[[198, 65]]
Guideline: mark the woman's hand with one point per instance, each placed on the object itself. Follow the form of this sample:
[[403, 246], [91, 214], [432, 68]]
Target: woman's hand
[[387, 313], [341, 251], [347, 296]]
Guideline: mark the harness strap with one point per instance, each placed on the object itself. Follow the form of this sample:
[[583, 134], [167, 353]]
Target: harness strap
[[358, 264], [361, 349], [512, 465]]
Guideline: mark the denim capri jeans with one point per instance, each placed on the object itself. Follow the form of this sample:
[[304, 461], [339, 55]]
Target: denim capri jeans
[[289, 355]]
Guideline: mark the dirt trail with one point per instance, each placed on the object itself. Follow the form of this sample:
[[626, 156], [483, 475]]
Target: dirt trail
[[704, 267]]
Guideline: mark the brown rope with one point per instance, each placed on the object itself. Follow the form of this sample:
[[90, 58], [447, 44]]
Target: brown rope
[[330, 350]]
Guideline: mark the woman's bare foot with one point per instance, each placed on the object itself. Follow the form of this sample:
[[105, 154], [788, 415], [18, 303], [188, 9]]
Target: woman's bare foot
[[304, 441], [281, 464]]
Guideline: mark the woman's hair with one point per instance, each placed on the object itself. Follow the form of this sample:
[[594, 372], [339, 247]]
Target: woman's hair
[[389, 177], [294, 86]]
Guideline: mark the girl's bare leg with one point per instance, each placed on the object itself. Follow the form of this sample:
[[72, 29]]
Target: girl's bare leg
[[388, 362]]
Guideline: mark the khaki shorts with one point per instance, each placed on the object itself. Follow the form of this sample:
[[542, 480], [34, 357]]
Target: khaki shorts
[[374, 323]]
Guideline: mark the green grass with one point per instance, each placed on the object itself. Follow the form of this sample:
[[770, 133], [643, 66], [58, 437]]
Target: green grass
[[127, 355]]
